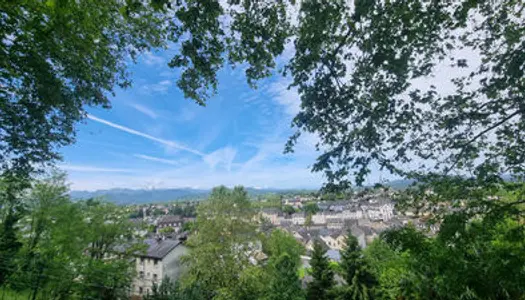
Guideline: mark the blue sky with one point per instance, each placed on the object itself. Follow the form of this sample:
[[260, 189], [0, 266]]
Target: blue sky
[[153, 137]]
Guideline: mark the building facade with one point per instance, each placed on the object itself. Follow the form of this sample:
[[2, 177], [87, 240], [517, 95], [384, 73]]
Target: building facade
[[161, 260]]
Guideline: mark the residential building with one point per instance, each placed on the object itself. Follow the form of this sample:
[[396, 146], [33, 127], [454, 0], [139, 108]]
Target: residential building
[[174, 222], [319, 219], [298, 218], [271, 215], [161, 260], [334, 240], [352, 214]]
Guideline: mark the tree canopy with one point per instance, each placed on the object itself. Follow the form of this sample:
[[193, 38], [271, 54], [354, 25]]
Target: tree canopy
[[223, 240], [56, 58], [429, 90], [364, 71], [68, 250], [322, 275]]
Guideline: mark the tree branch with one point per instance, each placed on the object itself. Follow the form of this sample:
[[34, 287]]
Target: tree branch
[[473, 139]]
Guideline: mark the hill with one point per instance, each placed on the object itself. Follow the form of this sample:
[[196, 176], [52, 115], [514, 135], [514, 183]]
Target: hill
[[140, 196]]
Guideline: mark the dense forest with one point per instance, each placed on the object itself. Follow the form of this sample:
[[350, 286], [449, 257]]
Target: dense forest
[[369, 75]]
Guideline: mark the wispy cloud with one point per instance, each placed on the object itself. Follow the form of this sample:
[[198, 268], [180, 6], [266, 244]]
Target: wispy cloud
[[160, 87], [200, 175], [151, 59], [221, 157], [168, 74], [288, 98], [164, 142], [93, 169], [145, 110], [186, 114], [158, 159]]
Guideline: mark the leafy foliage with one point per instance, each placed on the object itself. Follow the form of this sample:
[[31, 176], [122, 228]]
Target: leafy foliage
[[360, 282], [285, 282], [395, 278], [279, 243], [167, 290], [56, 58], [323, 275], [70, 250], [288, 209], [167, 230], [255, 33], [482, 260], [311, 208], [363, 71], [223, 241]]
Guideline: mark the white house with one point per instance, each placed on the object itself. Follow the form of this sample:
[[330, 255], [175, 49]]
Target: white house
[[319, 219], [161, 260], [298, 219], [294, 202], [174, 222], [374, 214], [334, 240], [383, 212], [352, 214], [387, 210], [334, 220]]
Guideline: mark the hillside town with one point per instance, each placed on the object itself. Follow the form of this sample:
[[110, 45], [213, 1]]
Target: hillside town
[[365, 215]]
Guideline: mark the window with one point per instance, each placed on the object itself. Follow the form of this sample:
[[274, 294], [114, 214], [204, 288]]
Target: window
[[155, 261], [142, 260], [154, 276], [140, 290], [141, 274]]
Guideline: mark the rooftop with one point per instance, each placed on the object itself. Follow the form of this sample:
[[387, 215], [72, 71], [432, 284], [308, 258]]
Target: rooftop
[[170, 219], [160, 248]]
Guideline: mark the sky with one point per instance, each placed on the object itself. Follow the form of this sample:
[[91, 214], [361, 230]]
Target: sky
[[153, 137]]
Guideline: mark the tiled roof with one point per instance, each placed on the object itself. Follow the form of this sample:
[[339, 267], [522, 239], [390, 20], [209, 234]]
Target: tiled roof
[[160, 248], [168, 219]]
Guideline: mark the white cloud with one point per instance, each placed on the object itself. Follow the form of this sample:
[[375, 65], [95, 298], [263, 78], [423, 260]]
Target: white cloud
[[221, 157], [275, 176], [145, 110], [157, 159], [186, 114], [168, 74], [164, 142], [151, 59], [288, 98], [93, 169], [161, 87]]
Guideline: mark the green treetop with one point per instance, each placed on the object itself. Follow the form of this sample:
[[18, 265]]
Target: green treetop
[[322, 274]]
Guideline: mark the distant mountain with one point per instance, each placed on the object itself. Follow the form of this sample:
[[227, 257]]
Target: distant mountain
[[130, 196], [141, 196], [399, 184]]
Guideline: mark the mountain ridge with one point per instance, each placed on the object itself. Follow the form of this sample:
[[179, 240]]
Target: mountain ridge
[[124, 196], [141, 196]]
